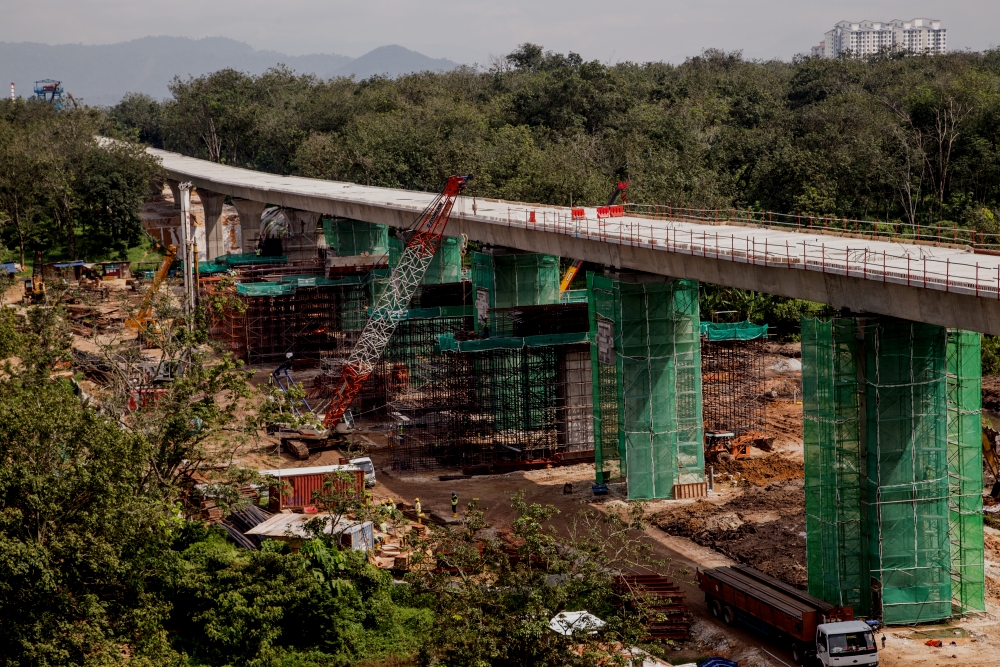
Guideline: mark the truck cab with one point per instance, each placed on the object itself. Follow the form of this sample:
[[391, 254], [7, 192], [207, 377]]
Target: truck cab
[[849, 643]]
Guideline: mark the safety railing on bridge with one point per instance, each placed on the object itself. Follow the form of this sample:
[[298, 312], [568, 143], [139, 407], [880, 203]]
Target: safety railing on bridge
[[950, 271], [895, 229]]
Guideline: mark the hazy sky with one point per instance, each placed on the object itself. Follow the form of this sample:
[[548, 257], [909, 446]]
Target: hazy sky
[[470, 30]]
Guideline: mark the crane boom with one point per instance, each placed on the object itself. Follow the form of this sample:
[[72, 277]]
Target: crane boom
[[145, 312], [391, 305]]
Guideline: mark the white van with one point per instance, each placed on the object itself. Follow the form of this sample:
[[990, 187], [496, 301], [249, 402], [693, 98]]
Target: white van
[[366, 464]]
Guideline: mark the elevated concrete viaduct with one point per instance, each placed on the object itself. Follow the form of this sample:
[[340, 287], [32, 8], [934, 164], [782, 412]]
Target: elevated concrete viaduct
[[947, 286]]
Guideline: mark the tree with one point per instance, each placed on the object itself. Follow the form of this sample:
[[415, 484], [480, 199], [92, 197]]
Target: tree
[[494, 597]]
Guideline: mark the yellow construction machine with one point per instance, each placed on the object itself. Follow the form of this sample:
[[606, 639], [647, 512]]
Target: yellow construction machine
[[143, 320], [34, 287]]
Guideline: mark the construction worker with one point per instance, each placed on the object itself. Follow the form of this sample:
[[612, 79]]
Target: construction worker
[[454, 505], [416, 506]]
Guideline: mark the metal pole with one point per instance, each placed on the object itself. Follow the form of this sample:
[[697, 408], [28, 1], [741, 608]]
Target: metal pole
[[185, 190]]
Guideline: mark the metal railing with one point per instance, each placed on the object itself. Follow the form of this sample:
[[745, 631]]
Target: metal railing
[[979, 275], [935, 233]]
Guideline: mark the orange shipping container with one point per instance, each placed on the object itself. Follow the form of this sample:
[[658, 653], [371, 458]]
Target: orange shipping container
[[304, 483]]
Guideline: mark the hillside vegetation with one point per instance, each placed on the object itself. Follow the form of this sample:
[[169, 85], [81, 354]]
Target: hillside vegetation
[[893, 137]]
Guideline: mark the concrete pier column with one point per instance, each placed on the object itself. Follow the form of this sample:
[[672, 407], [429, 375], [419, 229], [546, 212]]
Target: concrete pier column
[[214, 234], [893, 467], [301, 243], [250, 212], [648, 340], [175, 191]]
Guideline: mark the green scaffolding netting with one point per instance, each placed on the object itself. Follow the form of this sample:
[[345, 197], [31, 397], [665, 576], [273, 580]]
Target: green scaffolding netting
[[353, 237], [965, 470], [445, 266], [835, 548], [448, 343], [650, 334], [223, 263], [512, 281], [893, 460], [717, 331]]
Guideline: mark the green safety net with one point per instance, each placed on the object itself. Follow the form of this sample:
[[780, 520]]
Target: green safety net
[[651, 333], [517, 280], [243, 259], [437, 311], [907, 474], [289, 284], [892, 523], [352, 237], [836, 556], [209, 268], [573, 296], [223, 263], [965, 470], [265, 289], [445, 266], [716, 331], [448, 343]]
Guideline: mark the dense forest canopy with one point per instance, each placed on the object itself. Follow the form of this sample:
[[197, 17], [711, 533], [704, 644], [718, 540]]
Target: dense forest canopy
[[908, 138], [64, 193]]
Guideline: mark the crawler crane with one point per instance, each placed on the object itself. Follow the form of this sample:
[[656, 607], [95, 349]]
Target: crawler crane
[[423, 239]]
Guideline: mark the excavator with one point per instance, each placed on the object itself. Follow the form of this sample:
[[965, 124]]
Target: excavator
[[423, 238], [143, 321], [34, 287], [574, 268]]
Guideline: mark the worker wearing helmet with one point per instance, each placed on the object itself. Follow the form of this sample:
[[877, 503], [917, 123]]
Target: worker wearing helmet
[[454, 504], [416, 506]]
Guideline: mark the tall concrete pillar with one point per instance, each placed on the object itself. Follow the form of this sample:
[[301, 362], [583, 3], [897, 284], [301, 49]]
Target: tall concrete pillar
[[648, 340], [883, 414], [175, 191], [214, 234], [250, 212], [301, 243]]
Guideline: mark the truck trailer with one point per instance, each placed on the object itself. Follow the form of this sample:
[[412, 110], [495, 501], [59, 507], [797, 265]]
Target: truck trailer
[[811, 629]]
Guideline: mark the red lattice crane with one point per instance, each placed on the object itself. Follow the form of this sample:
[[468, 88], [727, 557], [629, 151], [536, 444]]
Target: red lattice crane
[[392, 304]]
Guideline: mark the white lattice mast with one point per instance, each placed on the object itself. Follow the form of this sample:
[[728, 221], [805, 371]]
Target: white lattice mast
[[391, 306]]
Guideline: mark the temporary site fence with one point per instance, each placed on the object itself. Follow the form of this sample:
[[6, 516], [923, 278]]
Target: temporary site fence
[[891, 460]]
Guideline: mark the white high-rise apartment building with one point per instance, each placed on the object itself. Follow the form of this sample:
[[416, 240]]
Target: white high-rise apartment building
[[869, 37]]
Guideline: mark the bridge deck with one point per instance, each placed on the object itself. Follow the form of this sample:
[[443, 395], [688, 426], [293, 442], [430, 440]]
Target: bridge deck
[[935, 280]]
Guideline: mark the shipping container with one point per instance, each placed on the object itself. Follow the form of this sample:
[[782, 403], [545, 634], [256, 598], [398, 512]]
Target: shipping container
[[301, 485]]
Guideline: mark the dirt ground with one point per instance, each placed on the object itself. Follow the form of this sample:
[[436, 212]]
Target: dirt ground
[[756, 516]]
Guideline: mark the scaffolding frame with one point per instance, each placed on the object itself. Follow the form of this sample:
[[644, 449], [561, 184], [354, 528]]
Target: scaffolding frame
[[893, 461], [732, 384], [650, 332]]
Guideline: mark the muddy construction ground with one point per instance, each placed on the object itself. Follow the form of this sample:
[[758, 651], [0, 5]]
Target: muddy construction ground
[[756, 516]]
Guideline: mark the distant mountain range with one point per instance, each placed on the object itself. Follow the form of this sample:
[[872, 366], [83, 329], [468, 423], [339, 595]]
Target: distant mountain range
[[102, 74]]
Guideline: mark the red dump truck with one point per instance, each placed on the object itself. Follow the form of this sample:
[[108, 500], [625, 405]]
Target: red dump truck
[[811, 629]]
